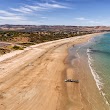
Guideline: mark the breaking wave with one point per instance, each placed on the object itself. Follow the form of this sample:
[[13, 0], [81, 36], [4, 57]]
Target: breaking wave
[[97, 78]]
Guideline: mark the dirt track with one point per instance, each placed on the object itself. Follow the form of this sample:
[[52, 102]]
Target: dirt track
[[34, 79]]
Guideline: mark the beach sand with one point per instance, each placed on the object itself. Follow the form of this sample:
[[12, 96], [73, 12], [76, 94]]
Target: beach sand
[[33, 79]]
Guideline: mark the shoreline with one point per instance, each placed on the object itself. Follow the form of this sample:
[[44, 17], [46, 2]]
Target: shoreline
[[33, 77], [96, 77], [82, 67]]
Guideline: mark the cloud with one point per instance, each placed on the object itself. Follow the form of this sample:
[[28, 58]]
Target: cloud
[[22, 10], [34, 7], [25, 12], [43, 17], [17, 22], [38, 7], [11, 18], [88, 21], [6, 13], [51, 5], [82, 19]]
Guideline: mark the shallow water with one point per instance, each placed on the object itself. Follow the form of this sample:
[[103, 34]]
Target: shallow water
[[100, 55], [97, 52]]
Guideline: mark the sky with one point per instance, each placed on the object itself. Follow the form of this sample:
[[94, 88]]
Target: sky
[[55, 12]]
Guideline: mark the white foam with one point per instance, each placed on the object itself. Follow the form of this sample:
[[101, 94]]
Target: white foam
[[96, 78], [95, 75], [77, 52], [89, 51]]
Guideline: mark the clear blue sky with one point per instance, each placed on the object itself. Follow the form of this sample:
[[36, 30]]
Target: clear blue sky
[[55, 12]]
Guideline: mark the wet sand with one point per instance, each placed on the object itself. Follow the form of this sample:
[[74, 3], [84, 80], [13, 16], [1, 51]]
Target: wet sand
[[33, 79], [89, 94]]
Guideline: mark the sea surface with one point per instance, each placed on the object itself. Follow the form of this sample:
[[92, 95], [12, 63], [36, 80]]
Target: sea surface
[[97, 53], [99, 62]]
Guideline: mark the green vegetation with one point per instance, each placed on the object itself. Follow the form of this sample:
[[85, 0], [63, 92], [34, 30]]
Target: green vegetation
[[4, 51], [24, 39], [36, 37], [26, 44], [17, 47]]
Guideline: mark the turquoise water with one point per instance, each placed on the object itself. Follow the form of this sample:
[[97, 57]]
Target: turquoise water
[[99, 59], [97, 53]]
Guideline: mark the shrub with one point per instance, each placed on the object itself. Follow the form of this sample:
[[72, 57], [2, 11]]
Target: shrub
[[17, 47]]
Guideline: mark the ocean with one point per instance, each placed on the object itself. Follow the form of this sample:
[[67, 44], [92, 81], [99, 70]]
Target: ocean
[[96, 52], [99, 61]]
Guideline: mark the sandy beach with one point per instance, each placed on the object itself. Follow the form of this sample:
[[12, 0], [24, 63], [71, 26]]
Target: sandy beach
[[33, 79]]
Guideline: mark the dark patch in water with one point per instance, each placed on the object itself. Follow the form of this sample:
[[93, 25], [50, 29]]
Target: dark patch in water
[[100, 51], [72, 57], [69, 59]]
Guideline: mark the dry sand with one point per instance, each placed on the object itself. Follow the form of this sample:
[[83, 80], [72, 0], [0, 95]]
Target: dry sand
[[33, 79]]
